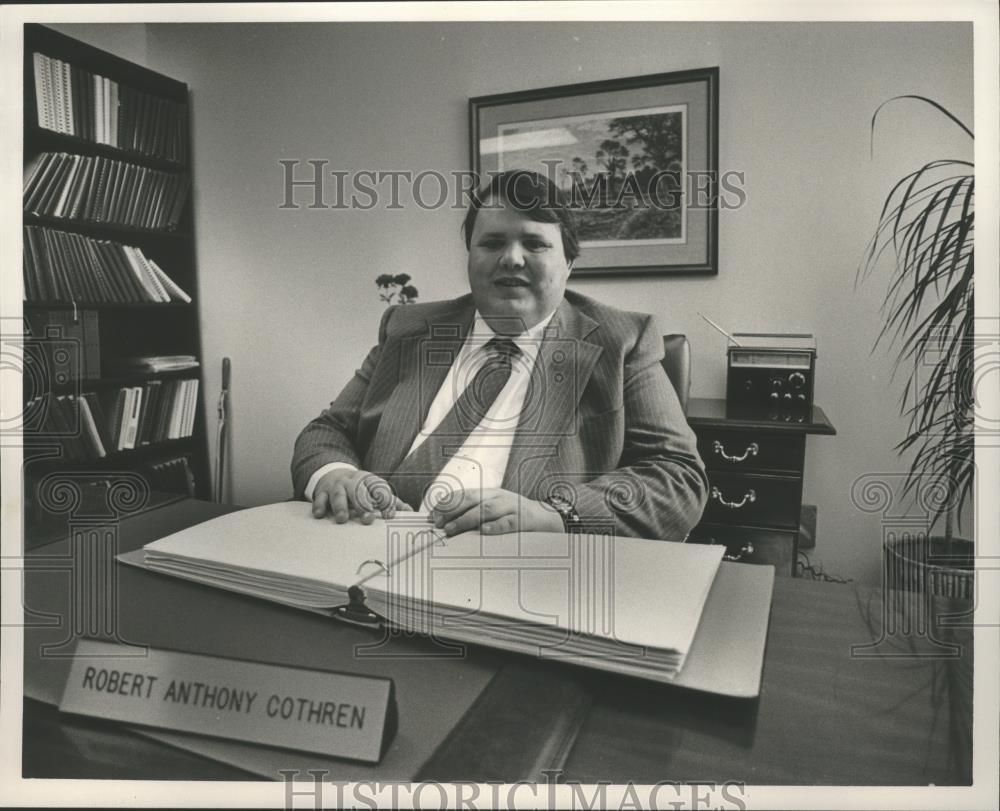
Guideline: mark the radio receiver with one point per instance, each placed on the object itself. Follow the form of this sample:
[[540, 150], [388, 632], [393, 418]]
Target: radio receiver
[[775, 369]]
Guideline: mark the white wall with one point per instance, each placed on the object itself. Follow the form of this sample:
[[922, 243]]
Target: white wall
[[127, 40], [289, 295]]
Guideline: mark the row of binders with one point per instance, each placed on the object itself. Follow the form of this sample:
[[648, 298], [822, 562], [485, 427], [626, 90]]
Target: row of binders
[[63, 266], [93, 188], [90, 426], [73, 101]]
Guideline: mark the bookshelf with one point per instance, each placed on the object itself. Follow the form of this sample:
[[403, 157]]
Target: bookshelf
[[109, 274]]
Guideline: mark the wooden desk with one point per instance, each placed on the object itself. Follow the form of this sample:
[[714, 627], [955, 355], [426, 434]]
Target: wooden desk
[[823, 716], [755, 458]]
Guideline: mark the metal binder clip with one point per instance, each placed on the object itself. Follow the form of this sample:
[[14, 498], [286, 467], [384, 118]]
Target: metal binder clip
[[378, 563], [356, 612]]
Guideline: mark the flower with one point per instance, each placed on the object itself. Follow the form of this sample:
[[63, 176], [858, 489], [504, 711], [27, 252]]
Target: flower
[[390, 286]]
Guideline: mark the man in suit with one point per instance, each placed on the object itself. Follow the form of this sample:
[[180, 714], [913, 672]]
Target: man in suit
[[519, 406]]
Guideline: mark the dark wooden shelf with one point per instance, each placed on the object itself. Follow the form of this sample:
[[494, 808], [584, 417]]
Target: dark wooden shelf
[[46, 140], [137, 378], [116, 458], [106, 305], [103, 229]]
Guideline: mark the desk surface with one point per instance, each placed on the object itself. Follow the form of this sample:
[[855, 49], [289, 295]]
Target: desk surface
[[824, 716]]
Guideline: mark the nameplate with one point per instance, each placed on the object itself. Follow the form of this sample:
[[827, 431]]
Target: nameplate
[[335, 714]]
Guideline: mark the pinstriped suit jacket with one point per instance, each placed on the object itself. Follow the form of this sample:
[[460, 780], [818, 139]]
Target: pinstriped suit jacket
[[601, 422]]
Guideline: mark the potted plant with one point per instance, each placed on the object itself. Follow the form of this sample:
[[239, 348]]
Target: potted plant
[[926, 224]]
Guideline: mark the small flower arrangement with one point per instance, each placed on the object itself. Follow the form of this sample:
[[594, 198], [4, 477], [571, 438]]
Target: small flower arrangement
[[395, 287]]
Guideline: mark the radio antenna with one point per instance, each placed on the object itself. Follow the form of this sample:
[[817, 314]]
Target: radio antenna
[[720, 329]]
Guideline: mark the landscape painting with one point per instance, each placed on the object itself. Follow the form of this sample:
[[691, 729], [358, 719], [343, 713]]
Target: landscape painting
[[623, 171], [637, 158]]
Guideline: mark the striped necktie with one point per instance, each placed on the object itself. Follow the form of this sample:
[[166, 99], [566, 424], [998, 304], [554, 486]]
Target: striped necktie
[[418, 470]]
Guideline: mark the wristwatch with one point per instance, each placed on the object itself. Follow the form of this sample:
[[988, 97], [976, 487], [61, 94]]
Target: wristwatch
[[567, 512]]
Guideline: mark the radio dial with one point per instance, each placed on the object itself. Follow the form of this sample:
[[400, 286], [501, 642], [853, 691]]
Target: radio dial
[[797, 380]]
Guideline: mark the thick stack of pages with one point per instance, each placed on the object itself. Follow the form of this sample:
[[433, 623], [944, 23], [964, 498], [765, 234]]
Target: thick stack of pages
[[155, 363], [622, 604]]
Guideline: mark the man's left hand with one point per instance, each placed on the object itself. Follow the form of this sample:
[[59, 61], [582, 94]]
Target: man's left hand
[[493, 512]]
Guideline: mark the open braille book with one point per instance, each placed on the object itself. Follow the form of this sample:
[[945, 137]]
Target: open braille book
[[626, 605]]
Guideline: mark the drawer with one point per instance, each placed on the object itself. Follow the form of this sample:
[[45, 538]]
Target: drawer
[[741, 499], [727, 449], [762, 546]]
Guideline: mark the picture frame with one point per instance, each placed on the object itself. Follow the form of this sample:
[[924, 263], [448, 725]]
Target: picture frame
[[637, 156]]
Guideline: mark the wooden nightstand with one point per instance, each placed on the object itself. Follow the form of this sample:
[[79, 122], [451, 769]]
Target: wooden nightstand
[[755, 458]]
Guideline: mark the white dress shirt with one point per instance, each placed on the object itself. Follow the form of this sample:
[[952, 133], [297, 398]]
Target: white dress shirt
[[482, 460]]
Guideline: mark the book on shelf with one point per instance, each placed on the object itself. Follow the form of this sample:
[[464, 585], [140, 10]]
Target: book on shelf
[[116, 192], [74, 101], [130, 417], [65, 266], [667, 612], [101, 423], [91, 434]]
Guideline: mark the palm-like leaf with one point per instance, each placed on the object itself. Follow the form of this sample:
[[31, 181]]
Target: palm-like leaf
[[927, 223]]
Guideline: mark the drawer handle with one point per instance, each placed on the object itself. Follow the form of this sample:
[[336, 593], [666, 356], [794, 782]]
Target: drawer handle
[[751, 450], [746, 550], [748, 498]]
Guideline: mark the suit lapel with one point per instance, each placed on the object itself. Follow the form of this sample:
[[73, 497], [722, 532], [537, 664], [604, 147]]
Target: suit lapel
[[564, 364], [424, 360]]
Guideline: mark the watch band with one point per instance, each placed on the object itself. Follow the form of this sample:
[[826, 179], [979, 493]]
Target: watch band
[[567, 512]]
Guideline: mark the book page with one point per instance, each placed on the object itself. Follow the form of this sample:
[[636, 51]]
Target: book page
[[618, 590], [281, 549]]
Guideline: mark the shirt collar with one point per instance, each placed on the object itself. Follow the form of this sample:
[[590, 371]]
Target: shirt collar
[[528, 341]]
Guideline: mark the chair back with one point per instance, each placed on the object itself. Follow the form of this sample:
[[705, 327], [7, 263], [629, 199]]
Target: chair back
[[677, 364]]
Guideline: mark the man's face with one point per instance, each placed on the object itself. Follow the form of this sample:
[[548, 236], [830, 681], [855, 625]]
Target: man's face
[[517, 269]]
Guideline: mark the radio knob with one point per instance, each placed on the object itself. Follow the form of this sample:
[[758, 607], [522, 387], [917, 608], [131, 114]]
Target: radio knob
[[801, 397], [777, 383], [797, 380], [775, 395], [788, 395]]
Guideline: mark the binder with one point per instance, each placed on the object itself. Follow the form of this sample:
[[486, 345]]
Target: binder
[[131, 419], [91, 344], [89, 432], [43, 103], [668, 601]]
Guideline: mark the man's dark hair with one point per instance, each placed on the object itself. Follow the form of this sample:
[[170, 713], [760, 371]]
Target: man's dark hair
[[534, 196]]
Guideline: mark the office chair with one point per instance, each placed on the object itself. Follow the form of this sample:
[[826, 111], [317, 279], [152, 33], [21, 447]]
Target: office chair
[[677, 364]]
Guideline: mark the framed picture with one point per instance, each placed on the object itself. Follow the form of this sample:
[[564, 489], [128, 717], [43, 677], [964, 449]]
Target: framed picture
[[638, 158]]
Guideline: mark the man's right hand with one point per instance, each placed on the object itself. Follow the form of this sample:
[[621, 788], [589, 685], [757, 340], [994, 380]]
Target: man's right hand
[[348, 493]]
